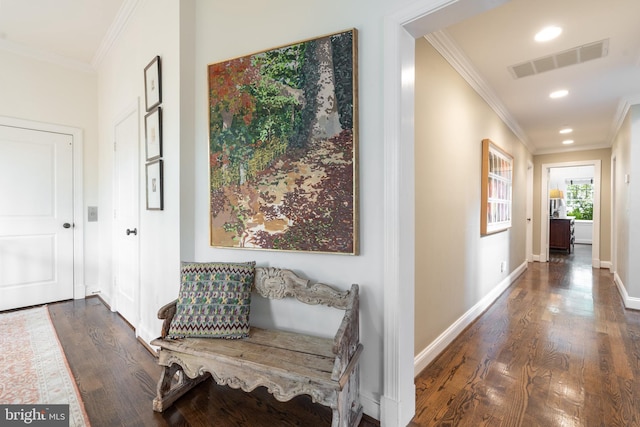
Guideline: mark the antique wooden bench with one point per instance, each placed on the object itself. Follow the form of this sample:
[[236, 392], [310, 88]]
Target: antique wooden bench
[[287, 364]]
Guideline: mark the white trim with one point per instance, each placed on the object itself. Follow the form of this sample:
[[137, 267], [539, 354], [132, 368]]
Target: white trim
[[529, 212], [397, 403], [131, 110], [79, 288], [41, 55], [544, 207], [370, 405], [621, 113], [427, 355], [448, 48], [125, 12], [145, 334], [606, 264], [631, 303], [614, 214]]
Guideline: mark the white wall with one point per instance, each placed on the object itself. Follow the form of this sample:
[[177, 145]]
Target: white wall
[[154, 29], [456, 267], [633, 208], [583, 232], [626, 152], [35, 90], [260, 26], [223, 30]]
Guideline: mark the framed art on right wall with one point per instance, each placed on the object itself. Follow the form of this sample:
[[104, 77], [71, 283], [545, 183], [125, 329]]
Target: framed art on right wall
[[496, 193]]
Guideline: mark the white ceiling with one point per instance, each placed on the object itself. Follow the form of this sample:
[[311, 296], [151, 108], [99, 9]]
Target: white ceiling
[[72, 32], [78, 32], [599, 89]]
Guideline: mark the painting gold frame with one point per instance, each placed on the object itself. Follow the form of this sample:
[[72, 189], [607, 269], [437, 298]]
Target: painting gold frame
[[497, 187], [283, 148]]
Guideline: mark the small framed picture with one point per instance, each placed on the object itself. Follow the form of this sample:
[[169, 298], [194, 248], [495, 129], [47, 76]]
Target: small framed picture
[[153, 134], [496, 189], [152, 84], [155, 200]]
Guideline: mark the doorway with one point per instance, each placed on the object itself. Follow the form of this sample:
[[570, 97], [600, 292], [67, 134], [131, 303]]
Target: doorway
[[41, 249], [126, 257], [397, 402], [548, 183]]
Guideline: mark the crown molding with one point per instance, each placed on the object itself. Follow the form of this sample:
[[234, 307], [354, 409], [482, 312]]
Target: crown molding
[[623, 108], [445, 45], [125, 12], [41, 55], [573, 147]]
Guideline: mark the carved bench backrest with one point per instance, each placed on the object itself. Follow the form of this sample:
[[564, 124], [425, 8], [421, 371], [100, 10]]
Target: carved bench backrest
[[277, 283]]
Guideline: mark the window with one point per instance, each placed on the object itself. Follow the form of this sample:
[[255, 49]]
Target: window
[[580, 198]]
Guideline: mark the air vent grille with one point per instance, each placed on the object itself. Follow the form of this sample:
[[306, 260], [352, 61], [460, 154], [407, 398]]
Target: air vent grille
[[573, 56]]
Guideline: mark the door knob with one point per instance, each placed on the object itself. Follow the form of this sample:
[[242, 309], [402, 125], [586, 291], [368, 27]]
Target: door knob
[[66, 225], [134, 232]]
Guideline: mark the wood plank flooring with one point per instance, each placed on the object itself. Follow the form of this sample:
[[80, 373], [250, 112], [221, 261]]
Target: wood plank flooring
[[117, 378], [556, 349]]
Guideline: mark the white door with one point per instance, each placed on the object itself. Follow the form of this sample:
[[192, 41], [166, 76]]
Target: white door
[[36, 217], [529, 213], [126, 257]]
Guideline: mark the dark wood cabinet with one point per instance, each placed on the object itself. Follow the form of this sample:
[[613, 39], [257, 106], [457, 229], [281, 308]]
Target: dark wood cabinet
[[561, 233]]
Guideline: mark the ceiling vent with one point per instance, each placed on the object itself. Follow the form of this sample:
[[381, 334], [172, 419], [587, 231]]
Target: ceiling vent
[[577, 55]]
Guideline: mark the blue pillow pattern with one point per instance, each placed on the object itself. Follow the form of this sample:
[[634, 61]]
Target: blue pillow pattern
[[214, 300]]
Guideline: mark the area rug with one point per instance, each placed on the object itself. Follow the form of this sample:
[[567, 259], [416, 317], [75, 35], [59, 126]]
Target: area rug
[[34, 368]]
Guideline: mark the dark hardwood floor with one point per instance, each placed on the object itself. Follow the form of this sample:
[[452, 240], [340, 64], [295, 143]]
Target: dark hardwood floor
[[117, 378], [557, 348]]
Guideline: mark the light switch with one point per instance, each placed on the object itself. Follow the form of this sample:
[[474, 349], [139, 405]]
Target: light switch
[[92, 215]]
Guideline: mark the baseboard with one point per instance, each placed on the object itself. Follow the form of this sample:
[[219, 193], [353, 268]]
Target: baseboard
[[606, 264], [392, 411], [583, 242], [536, 258], [149, 348], [370, 406], [427, 355], [79, 291], [143, 333], [631, 303], [102, 298]]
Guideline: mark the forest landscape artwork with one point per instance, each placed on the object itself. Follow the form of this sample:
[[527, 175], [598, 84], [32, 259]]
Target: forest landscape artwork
[[283, 149]]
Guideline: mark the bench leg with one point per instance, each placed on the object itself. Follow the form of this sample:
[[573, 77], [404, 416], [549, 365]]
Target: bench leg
[[348, 412], [168, 391]]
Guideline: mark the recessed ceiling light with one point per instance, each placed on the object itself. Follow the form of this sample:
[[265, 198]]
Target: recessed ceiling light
[[567, 141], [565, 131], [548, 33], [559, 93]]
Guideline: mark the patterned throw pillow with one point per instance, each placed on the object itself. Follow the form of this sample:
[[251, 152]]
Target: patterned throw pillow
[[214, 300]]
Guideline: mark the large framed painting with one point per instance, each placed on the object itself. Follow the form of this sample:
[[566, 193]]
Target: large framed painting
[[497, 185], [283, 148]]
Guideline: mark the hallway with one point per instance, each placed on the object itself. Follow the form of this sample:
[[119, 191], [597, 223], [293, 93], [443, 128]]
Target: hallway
[[556, 349]]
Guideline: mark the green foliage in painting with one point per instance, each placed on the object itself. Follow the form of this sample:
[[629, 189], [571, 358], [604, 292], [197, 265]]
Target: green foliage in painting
[[274, 182], [343, 65]]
